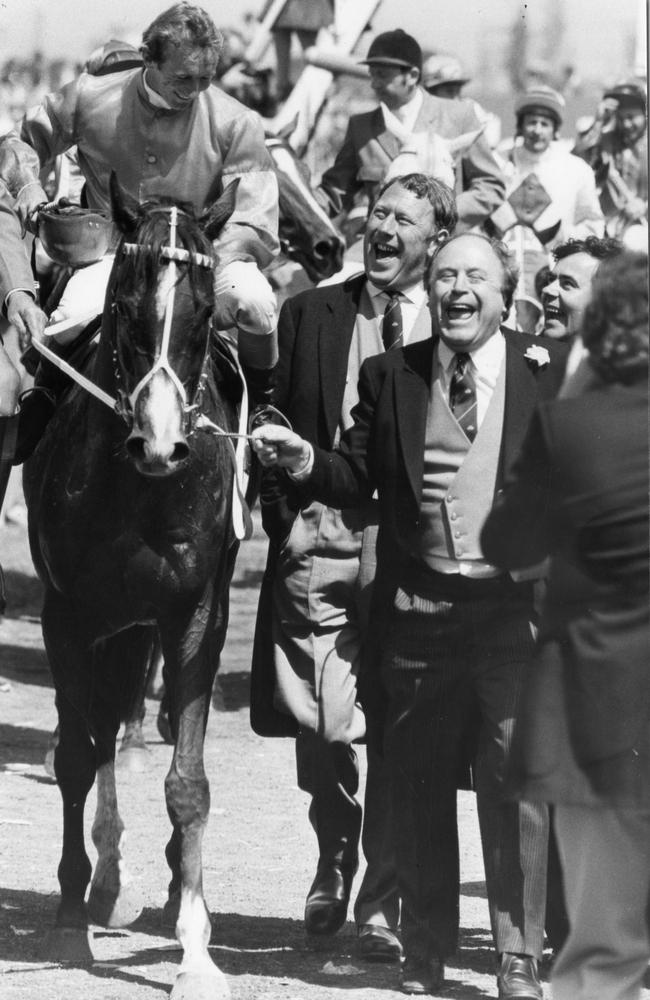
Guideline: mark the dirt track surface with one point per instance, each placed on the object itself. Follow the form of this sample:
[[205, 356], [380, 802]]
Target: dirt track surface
[[259, 850]]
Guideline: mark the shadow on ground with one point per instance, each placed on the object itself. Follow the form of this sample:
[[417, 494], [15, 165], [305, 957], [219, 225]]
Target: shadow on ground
[[241, 945]]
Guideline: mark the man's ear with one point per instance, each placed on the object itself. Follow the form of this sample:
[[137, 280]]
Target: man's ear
[[146, 57]]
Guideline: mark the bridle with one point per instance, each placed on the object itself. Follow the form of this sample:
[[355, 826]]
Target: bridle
[[127, 402]]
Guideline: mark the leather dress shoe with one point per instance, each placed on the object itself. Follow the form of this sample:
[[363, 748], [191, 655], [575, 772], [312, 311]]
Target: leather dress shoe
[[517, 978], [376, 943], [422, 976], [326, 906]]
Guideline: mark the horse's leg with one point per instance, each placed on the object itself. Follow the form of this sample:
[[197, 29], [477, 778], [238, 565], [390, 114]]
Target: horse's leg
[[194, 660], [74, 767], [120, 673], [133, 755]]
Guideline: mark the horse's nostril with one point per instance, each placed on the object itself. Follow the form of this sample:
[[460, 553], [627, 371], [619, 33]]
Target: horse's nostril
[[180, 452], [135, 447], [323, 250]]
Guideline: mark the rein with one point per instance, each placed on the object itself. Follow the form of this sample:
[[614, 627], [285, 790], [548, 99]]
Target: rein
[[242, 522]]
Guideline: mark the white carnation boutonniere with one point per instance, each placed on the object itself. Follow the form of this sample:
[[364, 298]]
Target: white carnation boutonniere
[[538, 356]]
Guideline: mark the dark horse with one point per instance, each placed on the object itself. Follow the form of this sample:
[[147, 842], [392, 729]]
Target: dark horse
[[130, 532]]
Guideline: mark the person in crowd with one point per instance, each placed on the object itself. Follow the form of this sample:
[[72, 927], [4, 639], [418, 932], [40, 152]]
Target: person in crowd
[[445, 76], [437, 425], [567, 295], [551, 195], [304, 18], [618, 153], [164, 131], [579, 494], [374, 139], [312, 618]]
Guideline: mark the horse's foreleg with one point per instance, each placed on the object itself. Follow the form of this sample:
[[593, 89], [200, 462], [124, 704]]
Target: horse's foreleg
[[112, 901], [188, 804], [74, 766]]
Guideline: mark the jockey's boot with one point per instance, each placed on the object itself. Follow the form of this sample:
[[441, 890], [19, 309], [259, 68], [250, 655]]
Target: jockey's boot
[[261, 388], [37, 405]]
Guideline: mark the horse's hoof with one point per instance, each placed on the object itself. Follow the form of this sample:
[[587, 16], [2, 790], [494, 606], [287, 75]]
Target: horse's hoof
[[201, 986], [68, 944], [170, 912], [133, 759], [109, 910], [164, 727]]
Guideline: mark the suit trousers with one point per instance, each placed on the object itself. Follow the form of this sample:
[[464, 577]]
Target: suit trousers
[[475, 641], [321, 599], [605, 855]]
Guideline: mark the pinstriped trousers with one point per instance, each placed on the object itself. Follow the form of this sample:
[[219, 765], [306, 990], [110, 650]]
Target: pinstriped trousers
[[454, 669]]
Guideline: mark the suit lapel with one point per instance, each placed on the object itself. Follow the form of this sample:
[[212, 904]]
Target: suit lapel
[[334, 338], [388, 142], [412, 388], [521, 397]]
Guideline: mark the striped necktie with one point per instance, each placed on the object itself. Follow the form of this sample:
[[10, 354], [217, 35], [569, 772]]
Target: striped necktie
[[392, 329], [462, 396]]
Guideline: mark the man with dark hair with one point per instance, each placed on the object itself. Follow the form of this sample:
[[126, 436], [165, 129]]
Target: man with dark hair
[[437, 426], [566, 294], [311, 634], [373, 139], [164, 130]]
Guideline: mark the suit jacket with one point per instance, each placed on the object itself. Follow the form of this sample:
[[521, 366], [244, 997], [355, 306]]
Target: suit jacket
[[314, 333], [369, 148], [580, 494]]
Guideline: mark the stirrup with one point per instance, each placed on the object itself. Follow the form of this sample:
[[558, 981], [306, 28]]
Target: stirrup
[[266, 413]]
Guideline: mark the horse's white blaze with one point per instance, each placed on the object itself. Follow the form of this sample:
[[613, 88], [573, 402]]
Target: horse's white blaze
[[164, 290], [286, 163], [162, 413], [108, 833]]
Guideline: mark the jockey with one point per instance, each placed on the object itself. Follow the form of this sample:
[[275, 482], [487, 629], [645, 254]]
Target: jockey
[[164, 131]]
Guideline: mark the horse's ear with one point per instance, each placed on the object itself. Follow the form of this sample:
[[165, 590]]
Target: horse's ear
[[287, 130], [213, 221], [124, 207], [459, 146]]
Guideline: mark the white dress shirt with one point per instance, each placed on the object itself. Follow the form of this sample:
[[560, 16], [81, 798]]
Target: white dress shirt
[[484, 366], [411, 301], [404, 119]]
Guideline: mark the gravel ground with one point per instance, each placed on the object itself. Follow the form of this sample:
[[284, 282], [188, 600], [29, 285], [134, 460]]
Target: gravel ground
[[259, 851]]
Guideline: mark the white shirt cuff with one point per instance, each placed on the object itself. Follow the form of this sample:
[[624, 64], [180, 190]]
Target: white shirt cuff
[[305, 471]]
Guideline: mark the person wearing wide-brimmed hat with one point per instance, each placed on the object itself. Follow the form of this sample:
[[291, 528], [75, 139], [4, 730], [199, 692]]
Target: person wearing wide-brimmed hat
[[372, 140], [550, 195]]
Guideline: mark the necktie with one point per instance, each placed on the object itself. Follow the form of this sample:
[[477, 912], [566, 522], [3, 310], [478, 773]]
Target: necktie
[[462, 396], [391, 330]]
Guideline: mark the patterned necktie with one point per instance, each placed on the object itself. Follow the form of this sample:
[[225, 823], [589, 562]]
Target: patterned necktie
[[462, 396], [391, 330]]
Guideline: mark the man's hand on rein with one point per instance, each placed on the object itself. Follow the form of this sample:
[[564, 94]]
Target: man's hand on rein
[[279, 446]]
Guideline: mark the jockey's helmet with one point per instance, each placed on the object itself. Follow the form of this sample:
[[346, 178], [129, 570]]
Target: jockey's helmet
[[73, 236]]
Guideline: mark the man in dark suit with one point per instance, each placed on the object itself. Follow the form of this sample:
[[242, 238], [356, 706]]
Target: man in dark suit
[[313, 602], [437, 425], [579, 494], [371, 142]]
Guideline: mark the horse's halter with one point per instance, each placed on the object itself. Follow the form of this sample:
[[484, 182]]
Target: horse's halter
[[126, 404]]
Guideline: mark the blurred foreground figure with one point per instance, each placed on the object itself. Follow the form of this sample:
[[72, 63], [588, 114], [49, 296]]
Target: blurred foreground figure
[[579, 493]]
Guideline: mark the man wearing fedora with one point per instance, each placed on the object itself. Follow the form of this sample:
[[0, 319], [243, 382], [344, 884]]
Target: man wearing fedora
[[371, 142]]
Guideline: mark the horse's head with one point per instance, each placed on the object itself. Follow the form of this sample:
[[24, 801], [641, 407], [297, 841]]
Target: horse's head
[[307, 234], [161, 299]]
